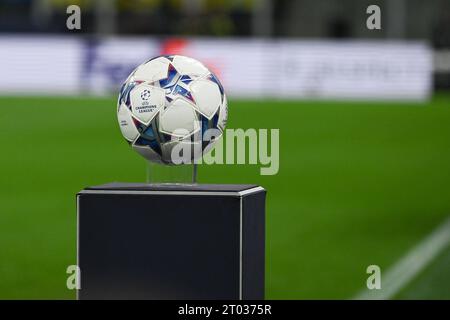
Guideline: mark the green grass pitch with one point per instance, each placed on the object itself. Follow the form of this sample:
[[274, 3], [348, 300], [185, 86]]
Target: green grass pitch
[[359, 183]]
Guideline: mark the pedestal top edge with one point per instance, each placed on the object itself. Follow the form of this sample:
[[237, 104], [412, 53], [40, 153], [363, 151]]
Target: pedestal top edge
[[142, 188]]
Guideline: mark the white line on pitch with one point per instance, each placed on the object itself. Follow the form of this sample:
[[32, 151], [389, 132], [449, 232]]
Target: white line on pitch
[[401, 273]]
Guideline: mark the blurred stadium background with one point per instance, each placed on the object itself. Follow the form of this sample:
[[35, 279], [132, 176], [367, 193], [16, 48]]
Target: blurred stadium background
[[364, 119]]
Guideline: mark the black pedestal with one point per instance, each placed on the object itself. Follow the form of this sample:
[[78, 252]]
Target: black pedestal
[[138, 241]]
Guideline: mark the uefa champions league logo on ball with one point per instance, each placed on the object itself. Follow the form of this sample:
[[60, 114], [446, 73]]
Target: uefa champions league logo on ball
[[145, 95]]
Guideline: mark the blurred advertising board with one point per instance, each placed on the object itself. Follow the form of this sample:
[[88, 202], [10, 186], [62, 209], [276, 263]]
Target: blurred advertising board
[[292, 69], [34, 65]]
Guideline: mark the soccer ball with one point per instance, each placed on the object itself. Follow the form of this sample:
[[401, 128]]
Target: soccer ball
[[168, 105]]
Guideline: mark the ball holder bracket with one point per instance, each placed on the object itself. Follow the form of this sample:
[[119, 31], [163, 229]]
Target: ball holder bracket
[[171, 241]]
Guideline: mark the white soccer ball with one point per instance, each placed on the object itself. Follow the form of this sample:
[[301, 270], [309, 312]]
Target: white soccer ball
[[172, 109]]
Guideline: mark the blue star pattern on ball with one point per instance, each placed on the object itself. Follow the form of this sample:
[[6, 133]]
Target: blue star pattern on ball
[[176, 84]]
